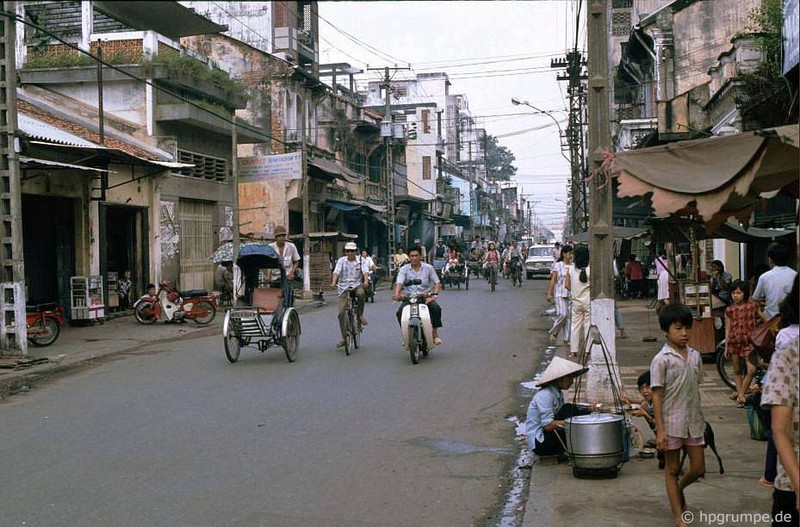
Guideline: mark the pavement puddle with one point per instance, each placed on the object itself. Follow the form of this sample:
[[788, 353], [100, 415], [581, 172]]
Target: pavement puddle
[[455, 448]]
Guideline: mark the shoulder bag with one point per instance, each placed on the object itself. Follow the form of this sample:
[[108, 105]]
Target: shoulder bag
[[762, 339]]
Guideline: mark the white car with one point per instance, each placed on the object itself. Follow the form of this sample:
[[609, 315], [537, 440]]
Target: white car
[[539, 261]]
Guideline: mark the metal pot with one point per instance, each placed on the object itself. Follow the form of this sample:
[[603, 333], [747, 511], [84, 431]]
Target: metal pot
[[595, 441]]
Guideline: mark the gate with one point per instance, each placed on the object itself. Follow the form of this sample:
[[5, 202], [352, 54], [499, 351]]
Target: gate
[[196, 245]]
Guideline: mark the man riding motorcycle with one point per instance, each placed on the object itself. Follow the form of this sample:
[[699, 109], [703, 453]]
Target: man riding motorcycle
[[419, 278], [351, 272]]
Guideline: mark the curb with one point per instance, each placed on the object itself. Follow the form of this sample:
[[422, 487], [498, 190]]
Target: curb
[[21, 381]]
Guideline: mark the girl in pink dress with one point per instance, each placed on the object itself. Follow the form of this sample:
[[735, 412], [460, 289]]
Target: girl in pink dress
[[740, 321]]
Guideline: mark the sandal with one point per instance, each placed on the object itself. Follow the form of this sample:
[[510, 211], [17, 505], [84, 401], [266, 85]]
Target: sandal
[[437, 341], [740, 404]]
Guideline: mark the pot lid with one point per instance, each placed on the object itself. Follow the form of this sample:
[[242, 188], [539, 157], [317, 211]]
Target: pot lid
[[594, 419]]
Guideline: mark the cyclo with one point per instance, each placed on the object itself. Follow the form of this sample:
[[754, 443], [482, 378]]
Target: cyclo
[[270, 318], [455, 274]]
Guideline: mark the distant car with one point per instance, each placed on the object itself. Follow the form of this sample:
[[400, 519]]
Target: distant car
[[539, 260]]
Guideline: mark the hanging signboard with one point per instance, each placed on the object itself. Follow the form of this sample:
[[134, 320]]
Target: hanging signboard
[[279, 167]]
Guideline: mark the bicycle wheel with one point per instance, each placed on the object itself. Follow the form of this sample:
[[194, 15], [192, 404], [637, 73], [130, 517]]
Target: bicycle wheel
[[43, 332], [413, 344], [291, 341], [355, 328], [348, 335], [725, 367], [493, 278], [233, 346]]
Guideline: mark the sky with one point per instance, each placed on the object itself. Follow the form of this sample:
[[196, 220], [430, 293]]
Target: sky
[[491, 51]]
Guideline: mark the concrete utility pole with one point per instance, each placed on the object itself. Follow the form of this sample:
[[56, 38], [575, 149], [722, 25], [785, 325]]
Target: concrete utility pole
[[573, 64], [13, 334], [601, 244], [306, 293], [386, 132]]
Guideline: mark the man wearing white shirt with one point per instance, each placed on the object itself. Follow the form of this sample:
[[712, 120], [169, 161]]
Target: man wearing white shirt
[[350, 273], [774, 285]]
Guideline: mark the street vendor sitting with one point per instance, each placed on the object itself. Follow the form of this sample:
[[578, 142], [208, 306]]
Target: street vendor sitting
[[544, 425]]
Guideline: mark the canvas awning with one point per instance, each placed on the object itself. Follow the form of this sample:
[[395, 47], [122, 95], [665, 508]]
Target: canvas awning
[[714, 178], [624, 233], [335, 169], [682, 230]]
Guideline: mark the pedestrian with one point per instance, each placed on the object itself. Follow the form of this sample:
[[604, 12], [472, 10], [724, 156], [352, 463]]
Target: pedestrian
[[662, 272], [545, 420], [775, 284], [721, 281], [558, 293], [635, 275], [780, 395], [740, 322], [676, 373], [124, 287], [556, 252], [223, 282], [577, 283], [288, 253]]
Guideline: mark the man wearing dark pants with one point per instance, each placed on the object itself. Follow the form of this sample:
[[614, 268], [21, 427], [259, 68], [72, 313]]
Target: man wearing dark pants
[[419, 278]]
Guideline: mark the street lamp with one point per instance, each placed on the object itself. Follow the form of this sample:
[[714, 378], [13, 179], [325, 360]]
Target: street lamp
[[517, 102]]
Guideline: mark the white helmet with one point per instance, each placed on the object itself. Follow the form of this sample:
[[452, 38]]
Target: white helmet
[[350, 246]]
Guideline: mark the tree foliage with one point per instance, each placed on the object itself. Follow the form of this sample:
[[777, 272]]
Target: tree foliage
[[767, 99], [499, 160]]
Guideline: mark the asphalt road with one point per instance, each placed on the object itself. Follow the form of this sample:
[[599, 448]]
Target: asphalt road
[[177, 436]]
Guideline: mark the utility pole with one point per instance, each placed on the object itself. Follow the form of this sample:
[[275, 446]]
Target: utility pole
[[599, 380], [386, 132], [13, 333], [306, 208], [574, 64]]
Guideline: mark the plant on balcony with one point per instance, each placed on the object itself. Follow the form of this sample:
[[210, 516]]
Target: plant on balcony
[[181, 64], [41, 59]]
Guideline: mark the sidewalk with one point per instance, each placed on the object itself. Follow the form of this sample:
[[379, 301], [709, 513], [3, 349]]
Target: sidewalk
[[637, 496], [78, 345]]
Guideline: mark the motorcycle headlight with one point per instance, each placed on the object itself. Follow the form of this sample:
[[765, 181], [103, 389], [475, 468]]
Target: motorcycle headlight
[[718, 322]]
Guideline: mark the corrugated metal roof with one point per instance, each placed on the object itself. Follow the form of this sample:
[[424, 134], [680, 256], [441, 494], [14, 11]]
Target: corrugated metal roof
[[45, 131]]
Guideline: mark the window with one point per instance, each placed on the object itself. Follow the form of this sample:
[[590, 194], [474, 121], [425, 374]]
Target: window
[[426, 121], [426, 167]]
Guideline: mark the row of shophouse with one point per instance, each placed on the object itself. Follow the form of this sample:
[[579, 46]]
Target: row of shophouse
[[139, 162], [687, 69]]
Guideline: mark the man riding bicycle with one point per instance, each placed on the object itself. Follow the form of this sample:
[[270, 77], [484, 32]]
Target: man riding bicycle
[[514, 257], [419, 279], [350, 276]]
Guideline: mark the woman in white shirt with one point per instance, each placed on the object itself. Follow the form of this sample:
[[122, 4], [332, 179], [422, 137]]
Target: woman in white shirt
[[577, 283], [558, 294]]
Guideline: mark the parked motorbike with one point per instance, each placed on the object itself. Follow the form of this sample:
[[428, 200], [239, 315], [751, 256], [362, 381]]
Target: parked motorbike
[[176, 306], [44, 323], [416, 327]]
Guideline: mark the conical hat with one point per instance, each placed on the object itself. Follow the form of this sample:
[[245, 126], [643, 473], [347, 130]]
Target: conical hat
[[558, 368]]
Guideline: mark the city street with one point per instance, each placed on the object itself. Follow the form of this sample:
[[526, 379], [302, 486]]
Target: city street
[[175, 435]]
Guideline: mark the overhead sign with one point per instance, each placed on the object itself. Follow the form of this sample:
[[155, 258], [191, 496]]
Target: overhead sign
[[279, 167]]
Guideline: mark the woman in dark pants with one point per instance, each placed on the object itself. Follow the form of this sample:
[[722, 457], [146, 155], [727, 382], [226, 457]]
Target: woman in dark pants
[[544, 425]]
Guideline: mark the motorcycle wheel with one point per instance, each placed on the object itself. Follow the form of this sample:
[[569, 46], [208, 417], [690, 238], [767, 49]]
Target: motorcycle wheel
[[725, 367], [493, 279], [46, 332], [211, 312], [145, 313], [413, 344], [233, 346], [291, 341]]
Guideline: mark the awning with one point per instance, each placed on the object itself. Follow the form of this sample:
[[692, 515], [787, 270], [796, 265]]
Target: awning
[[335, 235], [679, 230], [625, 233], [334, 168], [33, 161], [349, 206], [715, 178]]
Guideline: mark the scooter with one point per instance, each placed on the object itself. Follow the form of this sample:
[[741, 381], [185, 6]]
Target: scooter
[[416, 327], [175, 306], [44, 323]]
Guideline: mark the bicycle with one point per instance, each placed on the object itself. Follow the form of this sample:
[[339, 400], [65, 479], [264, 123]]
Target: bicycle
[[492, 276], [516, 273], [353, 328], [726, 371]]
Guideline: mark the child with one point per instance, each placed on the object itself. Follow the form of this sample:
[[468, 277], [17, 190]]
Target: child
[[740, 321], [676, 373], [124, 290]]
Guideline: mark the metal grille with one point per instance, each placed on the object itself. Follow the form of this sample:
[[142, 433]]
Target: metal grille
[[620, 23], [196, 245]]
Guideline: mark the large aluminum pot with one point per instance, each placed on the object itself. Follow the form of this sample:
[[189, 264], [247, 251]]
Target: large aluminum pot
[[596, 441]]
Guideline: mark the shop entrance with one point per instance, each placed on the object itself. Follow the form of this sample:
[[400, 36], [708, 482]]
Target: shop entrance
[[49, 248], [123, 247]]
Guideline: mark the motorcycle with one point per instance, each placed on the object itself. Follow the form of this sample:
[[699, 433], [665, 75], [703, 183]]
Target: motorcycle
[[416, 327], [44, 323], [175, 306]]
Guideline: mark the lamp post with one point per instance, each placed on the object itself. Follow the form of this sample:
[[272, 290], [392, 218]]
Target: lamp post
[[518, 102]]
